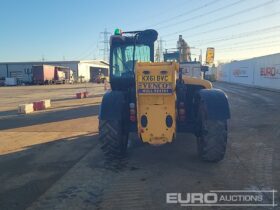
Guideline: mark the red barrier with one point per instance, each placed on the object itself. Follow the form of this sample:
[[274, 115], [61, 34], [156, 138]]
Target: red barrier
[[38, 105], [80, 95], [86, 94]]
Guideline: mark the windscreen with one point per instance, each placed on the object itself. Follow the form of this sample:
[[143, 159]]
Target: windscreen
[[122, 63]]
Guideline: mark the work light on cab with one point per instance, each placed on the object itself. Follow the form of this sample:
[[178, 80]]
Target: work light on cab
[[118, 32]]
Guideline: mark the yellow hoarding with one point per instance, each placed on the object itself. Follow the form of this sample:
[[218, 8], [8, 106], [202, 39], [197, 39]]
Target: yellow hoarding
[[210, 53]]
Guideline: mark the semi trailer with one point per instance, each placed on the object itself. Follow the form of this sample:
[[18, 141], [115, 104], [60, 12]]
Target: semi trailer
[[48, 74]]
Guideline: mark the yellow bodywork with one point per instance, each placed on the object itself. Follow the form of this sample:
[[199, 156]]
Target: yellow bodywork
[[197, 81], [156, 99]]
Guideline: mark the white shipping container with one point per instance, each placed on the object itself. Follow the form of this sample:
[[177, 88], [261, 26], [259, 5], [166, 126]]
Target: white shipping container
[[259, 72], [267, 72], [223, 72], [242, 72]]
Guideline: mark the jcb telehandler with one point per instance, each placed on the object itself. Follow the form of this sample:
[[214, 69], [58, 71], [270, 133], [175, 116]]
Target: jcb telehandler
[[156, 100]]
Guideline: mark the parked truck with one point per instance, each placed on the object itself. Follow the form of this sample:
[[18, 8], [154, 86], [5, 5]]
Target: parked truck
[[59, 76], [43, 74], [48, 74], [64, 74]]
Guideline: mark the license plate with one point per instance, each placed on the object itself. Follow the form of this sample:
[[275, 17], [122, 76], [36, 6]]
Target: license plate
[[154, 78]]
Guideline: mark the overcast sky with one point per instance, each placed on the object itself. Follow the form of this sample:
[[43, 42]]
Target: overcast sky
[[70, 29]]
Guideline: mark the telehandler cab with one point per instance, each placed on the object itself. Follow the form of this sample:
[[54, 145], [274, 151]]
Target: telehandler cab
[[157, 100]]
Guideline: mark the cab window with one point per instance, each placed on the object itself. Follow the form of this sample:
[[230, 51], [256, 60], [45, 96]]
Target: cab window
[[122, 63]]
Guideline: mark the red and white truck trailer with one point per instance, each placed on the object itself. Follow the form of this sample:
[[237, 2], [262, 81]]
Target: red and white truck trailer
[[48, 74]]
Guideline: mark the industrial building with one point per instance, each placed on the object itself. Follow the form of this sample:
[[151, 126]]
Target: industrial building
[[83, 70]]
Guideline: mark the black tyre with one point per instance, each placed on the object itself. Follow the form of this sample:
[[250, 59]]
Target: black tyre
[[211, 134], [113, 138], [212, 140]]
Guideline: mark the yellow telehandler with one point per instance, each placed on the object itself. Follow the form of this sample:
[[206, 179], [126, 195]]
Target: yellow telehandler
[[156, 100]]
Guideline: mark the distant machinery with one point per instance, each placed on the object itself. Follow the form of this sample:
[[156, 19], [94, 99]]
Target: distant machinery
[[181, 54], [184, 50]]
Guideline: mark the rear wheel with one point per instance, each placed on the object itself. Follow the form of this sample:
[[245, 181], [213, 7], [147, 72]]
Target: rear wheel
[[211, 136], [113, 138], [212, 140]]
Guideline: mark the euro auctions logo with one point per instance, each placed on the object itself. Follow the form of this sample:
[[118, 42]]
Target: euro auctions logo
[[270, 72], [224, 198]]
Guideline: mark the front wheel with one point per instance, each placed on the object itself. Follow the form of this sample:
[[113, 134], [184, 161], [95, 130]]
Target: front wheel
[[212, 140], [113, 138]]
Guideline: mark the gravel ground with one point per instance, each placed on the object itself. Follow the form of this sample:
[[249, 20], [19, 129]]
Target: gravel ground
[[52, 159]]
